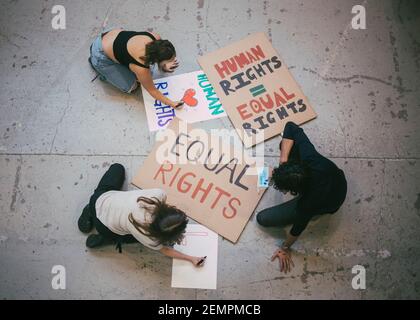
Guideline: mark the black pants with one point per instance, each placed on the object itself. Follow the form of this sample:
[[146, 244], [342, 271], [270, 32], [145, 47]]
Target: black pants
[[113, 179], [279, 216], [283, 214]]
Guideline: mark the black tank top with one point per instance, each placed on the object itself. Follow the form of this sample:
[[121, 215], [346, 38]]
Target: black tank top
[[120, 47]]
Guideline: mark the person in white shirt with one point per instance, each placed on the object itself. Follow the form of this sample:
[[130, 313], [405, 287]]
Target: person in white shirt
[[133, 216]]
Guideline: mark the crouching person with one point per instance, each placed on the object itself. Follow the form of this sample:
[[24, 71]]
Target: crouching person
[[133, 216], [320, 187]]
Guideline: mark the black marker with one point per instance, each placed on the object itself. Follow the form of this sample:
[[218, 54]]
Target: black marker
[[201, 261]]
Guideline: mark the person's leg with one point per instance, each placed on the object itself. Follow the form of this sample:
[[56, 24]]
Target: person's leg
[[116, 74], [278, 216], [119, 76], [113, 179], [85, 222], [103, 237]]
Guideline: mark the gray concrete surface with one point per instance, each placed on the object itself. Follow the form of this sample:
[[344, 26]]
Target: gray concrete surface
[[59, 132]]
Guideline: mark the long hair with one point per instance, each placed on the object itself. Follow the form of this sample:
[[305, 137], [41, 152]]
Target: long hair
[[291, 176], [158, 51], [168, 222]]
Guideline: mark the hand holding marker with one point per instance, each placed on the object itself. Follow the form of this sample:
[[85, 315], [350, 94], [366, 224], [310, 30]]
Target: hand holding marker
[[201, 262], [179, 104]]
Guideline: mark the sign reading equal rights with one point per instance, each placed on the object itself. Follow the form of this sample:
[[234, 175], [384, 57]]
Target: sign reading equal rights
[[212, 182], [200, 100], [256, 88]]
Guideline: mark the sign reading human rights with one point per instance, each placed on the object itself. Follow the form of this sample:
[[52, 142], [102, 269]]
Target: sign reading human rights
[[200, 101], [256, 88], [205, 177]]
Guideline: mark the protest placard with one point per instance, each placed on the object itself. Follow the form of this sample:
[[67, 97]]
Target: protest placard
[[256, 88], [213, 182], [200, 101]]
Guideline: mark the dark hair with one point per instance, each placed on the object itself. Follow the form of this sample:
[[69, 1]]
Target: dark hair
[[158, 51], [291, 176], [168, 225]]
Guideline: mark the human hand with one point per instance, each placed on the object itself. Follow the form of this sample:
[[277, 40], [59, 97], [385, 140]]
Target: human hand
[[170, 66], [198, 261], [285, 259], [177, 104]]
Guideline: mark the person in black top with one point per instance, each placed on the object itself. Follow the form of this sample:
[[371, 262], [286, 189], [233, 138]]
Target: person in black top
[[123, 58], [319, 184]]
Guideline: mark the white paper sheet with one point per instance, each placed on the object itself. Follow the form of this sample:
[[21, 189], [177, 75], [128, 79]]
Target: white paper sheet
[[199, 241]]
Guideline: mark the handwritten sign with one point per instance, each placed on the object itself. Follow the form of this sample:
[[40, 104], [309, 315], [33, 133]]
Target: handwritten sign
[[256, 88], [214, 186], [198, 242], [200, 101]]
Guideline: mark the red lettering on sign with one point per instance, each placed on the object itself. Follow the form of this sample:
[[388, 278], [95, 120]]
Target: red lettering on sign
[[221, 193], [239, 61], [182, 182], [198, 189], [205, 191], [264, 103], [162, 170], [243, 112], [234, 210]]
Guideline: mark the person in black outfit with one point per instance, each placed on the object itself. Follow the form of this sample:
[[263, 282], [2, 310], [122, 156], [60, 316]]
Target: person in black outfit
[[319, 184]]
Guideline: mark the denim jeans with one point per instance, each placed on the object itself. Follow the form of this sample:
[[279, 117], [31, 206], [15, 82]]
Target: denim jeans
[[116, 74]]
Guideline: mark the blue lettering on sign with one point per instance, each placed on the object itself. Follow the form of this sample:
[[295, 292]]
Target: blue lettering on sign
[[214, 103], [164, 113]]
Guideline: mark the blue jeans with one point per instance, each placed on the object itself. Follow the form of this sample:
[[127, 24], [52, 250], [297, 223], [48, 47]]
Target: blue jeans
[[116, 74]]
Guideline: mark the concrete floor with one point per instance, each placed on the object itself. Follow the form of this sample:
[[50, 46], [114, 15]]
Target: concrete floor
[[59, 132]]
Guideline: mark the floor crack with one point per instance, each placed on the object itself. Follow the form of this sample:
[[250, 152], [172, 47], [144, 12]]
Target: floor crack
[[61, 119]]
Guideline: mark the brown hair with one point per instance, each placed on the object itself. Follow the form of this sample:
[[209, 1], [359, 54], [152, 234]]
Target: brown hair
[[168, 225], [158, 51]]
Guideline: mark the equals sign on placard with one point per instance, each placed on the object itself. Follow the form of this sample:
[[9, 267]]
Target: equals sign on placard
[[257, 90]]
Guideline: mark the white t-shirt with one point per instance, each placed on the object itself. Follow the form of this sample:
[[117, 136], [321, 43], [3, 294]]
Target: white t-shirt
[[114, 207]]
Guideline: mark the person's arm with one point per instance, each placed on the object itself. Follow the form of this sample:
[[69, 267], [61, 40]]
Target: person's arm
[[296, 134], [145, 78], [170, 252], [284, 254], [286, 147], [290, 240], [157, 36]]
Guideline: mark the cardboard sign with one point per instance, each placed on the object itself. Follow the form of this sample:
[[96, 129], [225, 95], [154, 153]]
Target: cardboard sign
[[256, 88], [212, 185], [198, 242], [200, 100]]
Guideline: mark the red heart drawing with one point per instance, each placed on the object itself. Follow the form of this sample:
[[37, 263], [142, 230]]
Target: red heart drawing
[[189, 98]]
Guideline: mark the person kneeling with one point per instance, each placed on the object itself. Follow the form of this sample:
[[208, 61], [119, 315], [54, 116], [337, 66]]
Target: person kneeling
[[133, 216], [319, 184]]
